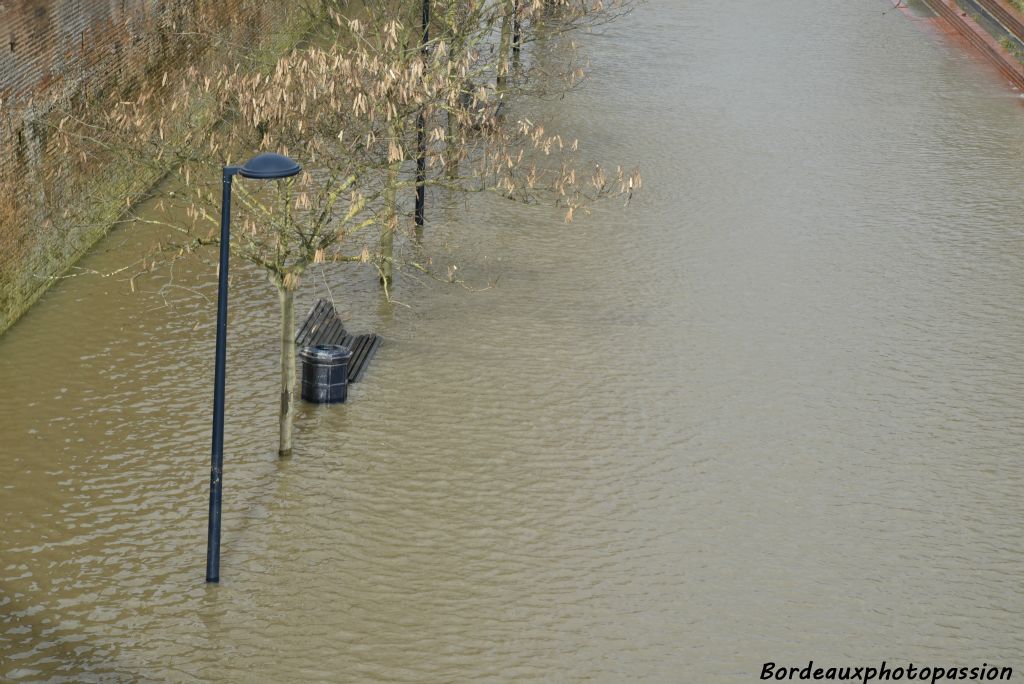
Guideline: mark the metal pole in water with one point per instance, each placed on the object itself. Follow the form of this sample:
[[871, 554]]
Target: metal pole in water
[[217, 451], [517, 30], [266, 166], [421, 133]]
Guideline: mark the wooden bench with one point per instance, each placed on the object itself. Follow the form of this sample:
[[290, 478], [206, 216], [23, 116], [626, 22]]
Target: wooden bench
[[323, 325]]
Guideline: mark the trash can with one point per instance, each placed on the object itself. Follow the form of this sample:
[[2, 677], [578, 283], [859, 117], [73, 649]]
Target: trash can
[[325, 373]]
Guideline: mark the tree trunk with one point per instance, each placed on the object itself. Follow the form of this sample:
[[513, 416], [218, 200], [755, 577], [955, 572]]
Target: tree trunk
[[387, 236], [287, 415], [503, 49], [451, 156]]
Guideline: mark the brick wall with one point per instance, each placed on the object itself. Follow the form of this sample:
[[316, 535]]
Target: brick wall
[[59, 56], [49, 45]]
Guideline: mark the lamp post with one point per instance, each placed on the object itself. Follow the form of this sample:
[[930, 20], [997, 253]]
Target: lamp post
[[517, 30], [421, 133], [267, 166]]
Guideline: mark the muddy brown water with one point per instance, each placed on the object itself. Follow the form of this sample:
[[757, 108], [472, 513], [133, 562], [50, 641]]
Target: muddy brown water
[[772, 412]]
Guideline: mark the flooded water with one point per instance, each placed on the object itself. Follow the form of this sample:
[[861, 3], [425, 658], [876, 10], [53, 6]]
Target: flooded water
[[772, 412]]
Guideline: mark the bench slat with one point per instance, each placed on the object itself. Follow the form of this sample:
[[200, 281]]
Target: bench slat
[[323, 325]]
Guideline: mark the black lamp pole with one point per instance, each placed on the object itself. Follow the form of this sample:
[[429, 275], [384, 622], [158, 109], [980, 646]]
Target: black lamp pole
[[517, 30], [266, 166], [421, 133]]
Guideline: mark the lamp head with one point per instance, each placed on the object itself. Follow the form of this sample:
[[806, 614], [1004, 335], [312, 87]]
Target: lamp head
[[269, 166]]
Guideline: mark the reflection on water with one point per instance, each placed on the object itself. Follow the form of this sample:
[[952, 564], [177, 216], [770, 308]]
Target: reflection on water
[[773, 412]]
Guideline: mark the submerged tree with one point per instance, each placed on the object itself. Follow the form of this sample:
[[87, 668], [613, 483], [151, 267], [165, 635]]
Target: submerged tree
[[348, 112], [441, 91]]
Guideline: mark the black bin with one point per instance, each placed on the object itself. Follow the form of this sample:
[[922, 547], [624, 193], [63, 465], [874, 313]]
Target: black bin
[[325, 373]]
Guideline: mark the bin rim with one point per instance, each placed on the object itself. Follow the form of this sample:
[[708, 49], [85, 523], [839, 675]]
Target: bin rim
[[325, 352]]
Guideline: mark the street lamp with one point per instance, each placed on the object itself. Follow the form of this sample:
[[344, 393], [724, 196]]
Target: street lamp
[[517, 31], [421, 132], [267, 166]]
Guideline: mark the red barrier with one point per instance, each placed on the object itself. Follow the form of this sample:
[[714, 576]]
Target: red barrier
[[1006, 14], [978, 37]]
